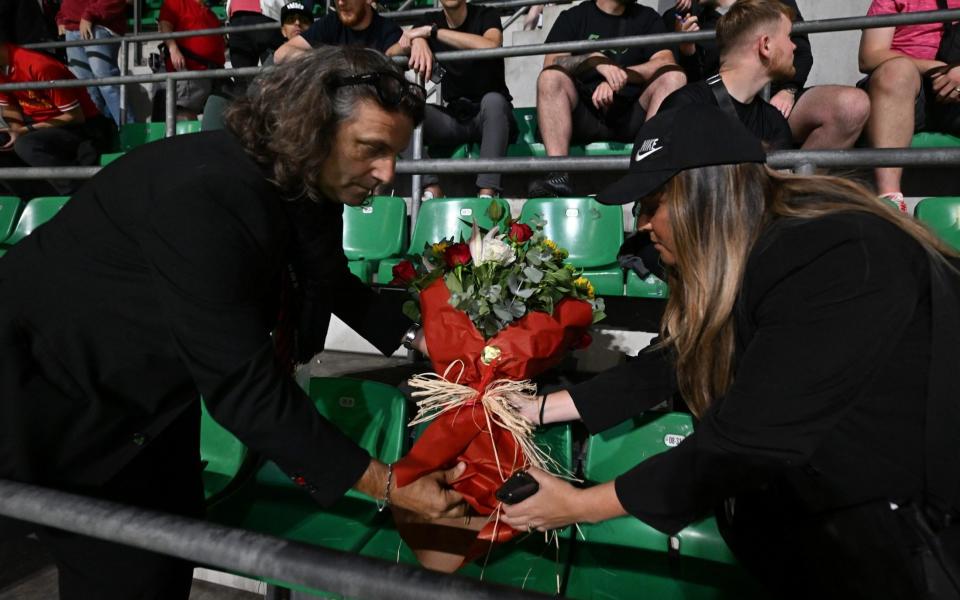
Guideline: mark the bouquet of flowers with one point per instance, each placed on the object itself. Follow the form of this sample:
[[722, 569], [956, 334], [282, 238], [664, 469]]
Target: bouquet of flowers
[[496, 311]]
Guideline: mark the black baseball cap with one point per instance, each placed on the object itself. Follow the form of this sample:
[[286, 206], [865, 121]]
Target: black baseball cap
[[294, 7], [696, 135]]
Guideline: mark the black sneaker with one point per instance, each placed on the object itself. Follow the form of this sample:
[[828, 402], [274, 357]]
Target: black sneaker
[[555, 184]]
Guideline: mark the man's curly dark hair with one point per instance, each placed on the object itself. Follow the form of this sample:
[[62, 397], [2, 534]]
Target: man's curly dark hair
[[290, 115]]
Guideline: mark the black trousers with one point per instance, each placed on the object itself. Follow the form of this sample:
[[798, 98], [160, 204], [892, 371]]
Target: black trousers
[[247, 48], [79, 145], [164, 477]]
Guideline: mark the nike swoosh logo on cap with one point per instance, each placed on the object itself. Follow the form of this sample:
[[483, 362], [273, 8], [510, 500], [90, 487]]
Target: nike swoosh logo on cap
[[642, 155]]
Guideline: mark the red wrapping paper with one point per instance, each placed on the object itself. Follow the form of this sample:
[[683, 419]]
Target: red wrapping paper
[[528, 347]]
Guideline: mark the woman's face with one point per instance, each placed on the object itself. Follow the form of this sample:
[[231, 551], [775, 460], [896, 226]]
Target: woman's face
[[656, 219]]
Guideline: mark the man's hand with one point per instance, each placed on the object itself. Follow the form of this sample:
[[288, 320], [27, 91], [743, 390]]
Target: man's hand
[[946, 83], [421, 59], [61, 30], [177, 59], [431, 495], [784, 101], [418, 33], [603, 96], [683, 6], [614, 75], [86, 29], [15, 131], [687, 24]]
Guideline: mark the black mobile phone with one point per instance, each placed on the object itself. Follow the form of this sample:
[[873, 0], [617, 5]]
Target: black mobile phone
[[520, 486]]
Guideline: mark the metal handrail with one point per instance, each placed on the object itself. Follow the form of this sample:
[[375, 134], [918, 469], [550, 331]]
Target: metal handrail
[[782, 159], [238, 550]]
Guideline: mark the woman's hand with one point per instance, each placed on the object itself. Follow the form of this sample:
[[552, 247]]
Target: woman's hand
[[556, 504]]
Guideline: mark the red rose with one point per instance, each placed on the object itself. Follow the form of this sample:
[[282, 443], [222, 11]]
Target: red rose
[[520, 232], [403, 273], [583, 342], [457, 254]]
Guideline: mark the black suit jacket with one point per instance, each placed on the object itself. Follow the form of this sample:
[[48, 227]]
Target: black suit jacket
[[828, 405], [158, 282]]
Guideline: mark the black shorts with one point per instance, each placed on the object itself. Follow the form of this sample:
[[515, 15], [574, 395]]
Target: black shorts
[[928, 114], [619, 123]]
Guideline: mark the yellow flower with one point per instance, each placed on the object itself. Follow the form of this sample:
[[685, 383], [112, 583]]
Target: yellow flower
[[441, 247], [584, 284], [558, 252], [550, 244]]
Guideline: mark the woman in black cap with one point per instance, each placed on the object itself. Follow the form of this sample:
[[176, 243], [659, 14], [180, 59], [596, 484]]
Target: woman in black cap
[[812, 332]]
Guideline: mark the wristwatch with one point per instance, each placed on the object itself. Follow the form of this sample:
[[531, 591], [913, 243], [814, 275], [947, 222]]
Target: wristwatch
[[410, 336]]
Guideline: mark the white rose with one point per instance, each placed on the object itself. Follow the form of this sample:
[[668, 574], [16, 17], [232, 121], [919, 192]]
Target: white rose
[[497, 251]]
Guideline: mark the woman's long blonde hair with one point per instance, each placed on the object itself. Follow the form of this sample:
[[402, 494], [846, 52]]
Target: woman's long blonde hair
[[717, 213]]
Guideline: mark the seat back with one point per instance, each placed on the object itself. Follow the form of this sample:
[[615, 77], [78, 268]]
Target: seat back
[[9, 210], [213, 111], [942, 215], [376, 231], [137, 134], [221, 452], [527, 124], [445, 217], [184, 127], [37, 212], [590, 231]]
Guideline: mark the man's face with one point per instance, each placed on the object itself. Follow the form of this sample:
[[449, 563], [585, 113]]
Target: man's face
[[295, 24], [353, 12], [781, 51], [364, 153]]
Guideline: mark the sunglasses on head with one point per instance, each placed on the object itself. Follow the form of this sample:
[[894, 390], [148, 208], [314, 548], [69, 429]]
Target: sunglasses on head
[[391, 88]]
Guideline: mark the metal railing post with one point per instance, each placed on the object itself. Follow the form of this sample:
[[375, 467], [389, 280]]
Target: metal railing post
[[122, 59], [416, 181], [136, 31], [519, 13], [170, 112]]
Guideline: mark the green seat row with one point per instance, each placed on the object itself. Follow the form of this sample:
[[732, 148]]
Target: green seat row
[[942, 215], [16, 224], [137, 134]]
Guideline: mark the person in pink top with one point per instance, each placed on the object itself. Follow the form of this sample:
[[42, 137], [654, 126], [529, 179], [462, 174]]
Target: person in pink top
[[910, 90]]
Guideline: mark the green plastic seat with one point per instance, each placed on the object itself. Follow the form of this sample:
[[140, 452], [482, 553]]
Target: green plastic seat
[[616, 558], [185, 127], [651, 287], [108, 157], [373, 233], [222, 454], [607, 149], [442, 218], [929, 139], [942, 215], [9, 211], [137, 134], [37, 212], [213, 110], [590, 231], [527, 562]]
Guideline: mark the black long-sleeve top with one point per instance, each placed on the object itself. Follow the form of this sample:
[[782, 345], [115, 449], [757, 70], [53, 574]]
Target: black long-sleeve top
[[160, 282], [832, 355]]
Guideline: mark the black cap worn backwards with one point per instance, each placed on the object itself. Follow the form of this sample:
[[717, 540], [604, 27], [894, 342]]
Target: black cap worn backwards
[[696, 135], [294, 8]]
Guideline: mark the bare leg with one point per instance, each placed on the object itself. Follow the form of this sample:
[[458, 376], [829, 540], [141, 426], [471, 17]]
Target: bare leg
[[893, 89], [829, 117], [658, 90], [556, 99], [439, 544]]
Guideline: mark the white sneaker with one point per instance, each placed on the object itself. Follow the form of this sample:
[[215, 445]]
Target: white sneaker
[[897, 199]]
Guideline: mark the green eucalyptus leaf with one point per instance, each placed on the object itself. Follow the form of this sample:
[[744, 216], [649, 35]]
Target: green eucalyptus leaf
[[503, 313], [533, 274], [453, 283], [411, 310]]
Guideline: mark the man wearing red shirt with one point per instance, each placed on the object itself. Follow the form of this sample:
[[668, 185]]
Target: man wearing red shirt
[[193, 53], [47, 128], [95, 20]]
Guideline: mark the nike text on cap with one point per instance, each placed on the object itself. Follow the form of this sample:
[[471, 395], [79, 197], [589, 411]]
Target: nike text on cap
[[697, 135]]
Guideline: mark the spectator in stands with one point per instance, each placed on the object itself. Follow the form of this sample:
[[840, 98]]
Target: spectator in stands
[[605, 95], [47, 128], [476, 100], [160, 282], [812, 333], [250, 48], [355, 23], [191, 53], [821, 117], [96, 20], [25, 22], [910, 89], [295, 19]]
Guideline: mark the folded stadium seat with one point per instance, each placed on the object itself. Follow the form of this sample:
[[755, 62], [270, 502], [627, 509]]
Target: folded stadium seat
[[37, 212], [137, 134], [9, 211], [108, 157], [372, 414], [222, 455], [651, 287], [590, 231], [443, 218], [372, 233], [213, 110], [527, 562], [625, 557], [929, 139], [942, 215]]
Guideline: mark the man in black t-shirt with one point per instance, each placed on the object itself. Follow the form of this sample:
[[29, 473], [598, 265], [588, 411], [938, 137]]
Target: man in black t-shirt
[[755, 49], [475, 96], [600, 95], [354, 24], [820, 117]]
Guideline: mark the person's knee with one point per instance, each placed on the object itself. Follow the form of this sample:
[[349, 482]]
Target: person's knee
[[553, 82], [670, 81], [898, 77], [494, 103], [852, 108]]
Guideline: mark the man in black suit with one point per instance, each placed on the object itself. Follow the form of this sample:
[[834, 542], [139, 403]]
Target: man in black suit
[[162, 280]]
